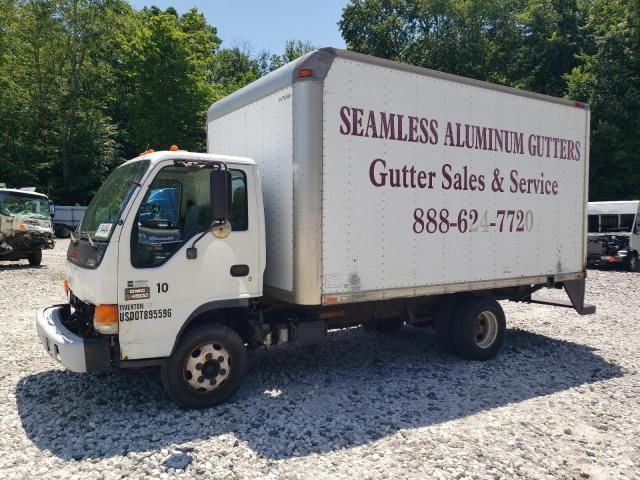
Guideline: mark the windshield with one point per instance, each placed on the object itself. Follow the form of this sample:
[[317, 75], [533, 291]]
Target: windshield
[[105, 208], [16, 203], [611, 223]]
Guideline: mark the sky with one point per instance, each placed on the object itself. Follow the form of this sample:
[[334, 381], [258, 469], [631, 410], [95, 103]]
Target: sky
[[266, 24]]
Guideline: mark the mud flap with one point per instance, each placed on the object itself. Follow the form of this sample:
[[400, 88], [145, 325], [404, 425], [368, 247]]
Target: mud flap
[[575, 290]]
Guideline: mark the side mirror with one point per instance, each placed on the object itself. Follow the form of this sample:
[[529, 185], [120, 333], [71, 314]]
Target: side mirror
[[220, 185], [220, 202]]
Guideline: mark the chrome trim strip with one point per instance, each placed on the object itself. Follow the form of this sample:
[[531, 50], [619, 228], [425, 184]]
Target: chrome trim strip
[[307, 191], [408, 292]]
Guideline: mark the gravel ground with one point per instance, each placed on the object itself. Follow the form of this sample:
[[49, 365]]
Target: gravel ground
[[561, 401]]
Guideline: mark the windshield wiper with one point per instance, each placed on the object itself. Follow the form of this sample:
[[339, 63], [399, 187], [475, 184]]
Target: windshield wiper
[[91, 242]]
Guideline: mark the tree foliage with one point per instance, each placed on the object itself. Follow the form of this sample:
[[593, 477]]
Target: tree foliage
[[166, 73], [87, 84], [609, 78], [581, 49]]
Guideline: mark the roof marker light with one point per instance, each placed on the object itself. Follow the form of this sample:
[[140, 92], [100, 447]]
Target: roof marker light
[[305, 72]]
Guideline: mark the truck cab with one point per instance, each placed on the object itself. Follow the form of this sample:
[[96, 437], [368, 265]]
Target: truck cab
[[144, 263], [25, 225], [614, 234]]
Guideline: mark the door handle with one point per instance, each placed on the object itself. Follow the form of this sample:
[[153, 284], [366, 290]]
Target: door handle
[[239, 270]]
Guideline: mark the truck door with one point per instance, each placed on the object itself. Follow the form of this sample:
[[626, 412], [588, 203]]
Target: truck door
[[158, 286]]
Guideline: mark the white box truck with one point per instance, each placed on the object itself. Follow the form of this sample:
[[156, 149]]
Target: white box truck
[[614, 234], [339, 190]]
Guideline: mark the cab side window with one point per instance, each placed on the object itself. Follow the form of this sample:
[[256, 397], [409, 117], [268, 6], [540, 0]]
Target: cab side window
[[239, 215], [176, 208]]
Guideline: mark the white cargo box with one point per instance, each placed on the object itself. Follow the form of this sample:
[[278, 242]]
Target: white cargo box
[[385, 180]]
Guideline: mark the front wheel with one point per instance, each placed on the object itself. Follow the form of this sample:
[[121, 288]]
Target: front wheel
[[35, 258], [632, 264], [206, 368], [478, 328]]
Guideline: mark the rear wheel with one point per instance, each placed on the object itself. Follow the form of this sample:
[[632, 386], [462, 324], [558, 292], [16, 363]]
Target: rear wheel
[[478, 328], [64, 232], [206, 368], [35, 258]]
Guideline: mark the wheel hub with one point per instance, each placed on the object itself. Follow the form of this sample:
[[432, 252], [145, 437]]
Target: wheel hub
[[486, 329], [207, 367]]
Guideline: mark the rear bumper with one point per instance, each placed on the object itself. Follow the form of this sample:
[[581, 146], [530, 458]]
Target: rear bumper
[[606, 260], [73, 352]]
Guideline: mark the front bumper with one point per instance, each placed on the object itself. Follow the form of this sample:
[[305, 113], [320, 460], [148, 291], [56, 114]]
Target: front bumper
[[72, 351]]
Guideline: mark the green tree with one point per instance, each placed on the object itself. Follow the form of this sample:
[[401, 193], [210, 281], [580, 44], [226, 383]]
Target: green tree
[[236, 67], [167, 79], [55, 132], [609, 79], [528, 44], [292, 49], [91, 30], [550, 41], [233, 69]]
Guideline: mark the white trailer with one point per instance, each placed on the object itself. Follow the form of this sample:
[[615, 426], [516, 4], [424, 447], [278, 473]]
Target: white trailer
[[340, 190], [66, 218]]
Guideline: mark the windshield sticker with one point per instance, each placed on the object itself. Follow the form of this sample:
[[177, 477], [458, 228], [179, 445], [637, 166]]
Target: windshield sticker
[[103, 230]]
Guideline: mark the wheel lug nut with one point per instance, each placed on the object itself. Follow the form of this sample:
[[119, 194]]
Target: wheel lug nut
[[220, 359], [223, 371], [200, 379], [198, 366], [208, 356]]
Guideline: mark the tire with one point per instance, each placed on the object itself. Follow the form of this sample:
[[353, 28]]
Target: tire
[[442, 322], [633, 265], [35, 258], [385, 325], [196, 352], [478, 328], [64, 232]]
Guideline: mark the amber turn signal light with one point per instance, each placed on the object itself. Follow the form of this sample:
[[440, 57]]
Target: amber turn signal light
[[105, 319]]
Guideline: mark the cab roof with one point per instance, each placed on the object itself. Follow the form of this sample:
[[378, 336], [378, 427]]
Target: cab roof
[[614, 208], [24, 192], [156, 157]]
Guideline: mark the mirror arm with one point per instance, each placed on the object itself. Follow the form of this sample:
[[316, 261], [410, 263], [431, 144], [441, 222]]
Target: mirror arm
[[192, 251]]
